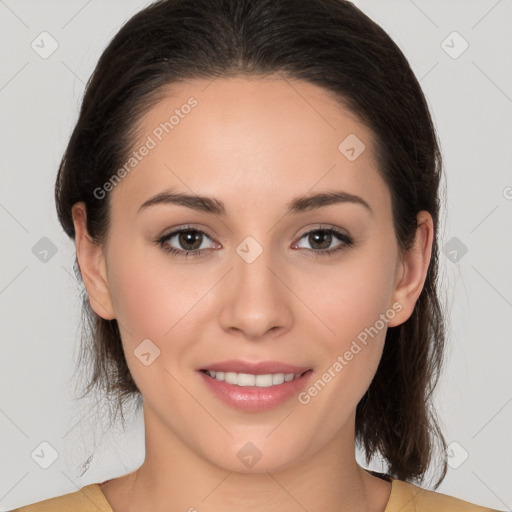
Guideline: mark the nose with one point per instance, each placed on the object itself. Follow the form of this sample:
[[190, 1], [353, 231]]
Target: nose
[[256, 299]]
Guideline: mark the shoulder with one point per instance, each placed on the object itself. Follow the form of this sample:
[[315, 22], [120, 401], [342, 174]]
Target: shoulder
[[408, 497], [87, 499]]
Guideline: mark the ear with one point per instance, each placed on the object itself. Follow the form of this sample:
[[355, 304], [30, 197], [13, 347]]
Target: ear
[[412, 270], [92, 265]]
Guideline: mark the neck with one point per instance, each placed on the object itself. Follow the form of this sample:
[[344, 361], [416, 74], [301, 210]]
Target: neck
[[174, 477]]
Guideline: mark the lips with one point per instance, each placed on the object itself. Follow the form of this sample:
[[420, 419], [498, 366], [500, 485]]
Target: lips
[[232, 382], [254, 367]]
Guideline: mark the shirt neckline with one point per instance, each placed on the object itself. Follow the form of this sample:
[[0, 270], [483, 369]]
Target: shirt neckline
[[383, 476]]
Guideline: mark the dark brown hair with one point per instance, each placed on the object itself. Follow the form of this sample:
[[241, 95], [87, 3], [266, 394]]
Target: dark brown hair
[[329, 43]]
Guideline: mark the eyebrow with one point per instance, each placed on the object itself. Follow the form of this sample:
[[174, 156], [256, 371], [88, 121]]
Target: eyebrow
[[216, 207]]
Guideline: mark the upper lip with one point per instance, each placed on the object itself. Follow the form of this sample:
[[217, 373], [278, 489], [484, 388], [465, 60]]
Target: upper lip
[[254, 367]]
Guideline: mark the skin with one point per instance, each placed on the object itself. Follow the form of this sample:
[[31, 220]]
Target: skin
[[253, 143]]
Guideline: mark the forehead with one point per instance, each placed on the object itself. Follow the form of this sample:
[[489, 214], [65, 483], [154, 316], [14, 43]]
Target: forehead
[[242, 137]]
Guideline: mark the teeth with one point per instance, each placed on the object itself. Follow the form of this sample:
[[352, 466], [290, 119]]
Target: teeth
[[230, 378], [278, 378], [247, 379]]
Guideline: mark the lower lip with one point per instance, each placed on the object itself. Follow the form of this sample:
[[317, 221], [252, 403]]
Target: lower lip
[[253, 398]]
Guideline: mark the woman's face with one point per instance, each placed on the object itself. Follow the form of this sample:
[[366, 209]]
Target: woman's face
[[264, 288]]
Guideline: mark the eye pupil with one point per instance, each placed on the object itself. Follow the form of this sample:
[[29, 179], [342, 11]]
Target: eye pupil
[[190, 238], [321, 237]]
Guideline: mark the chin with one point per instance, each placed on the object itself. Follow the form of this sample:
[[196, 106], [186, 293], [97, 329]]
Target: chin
[[259, 455]]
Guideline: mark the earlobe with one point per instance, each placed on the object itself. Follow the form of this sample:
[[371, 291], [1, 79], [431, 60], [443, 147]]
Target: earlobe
[[412, 270], [92, 265]]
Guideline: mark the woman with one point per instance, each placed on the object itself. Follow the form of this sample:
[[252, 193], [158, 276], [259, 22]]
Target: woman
[[252, 188]]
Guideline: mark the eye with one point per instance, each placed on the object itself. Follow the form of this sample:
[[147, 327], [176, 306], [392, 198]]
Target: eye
[[191, 241], [188, 239], [321, 240]]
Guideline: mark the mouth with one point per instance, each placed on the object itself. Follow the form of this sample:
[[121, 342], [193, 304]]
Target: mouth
[[255, 380], [261, 388]]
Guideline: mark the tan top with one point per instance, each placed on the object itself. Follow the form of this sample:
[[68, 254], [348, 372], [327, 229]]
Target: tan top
[[405, 497]]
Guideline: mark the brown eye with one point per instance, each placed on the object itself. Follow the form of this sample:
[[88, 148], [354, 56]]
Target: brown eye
[[185, 241], [188, 240], [321, 240]]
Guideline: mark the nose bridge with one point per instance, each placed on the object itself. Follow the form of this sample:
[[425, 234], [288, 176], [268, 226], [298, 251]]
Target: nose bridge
[[256, 300], [253, 264]]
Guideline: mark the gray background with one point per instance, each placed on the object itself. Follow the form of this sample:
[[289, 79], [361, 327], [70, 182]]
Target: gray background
[[470, 94]]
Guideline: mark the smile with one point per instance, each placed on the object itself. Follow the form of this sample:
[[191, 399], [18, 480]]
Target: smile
[[248, 379], [254, 392]]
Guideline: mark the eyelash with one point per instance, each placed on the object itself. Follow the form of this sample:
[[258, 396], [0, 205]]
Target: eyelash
[[343, 237]]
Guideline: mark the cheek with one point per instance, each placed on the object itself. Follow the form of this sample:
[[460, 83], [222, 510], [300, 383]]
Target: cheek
[[353, 300], [149, 293], [137, 298], [156, 301], [351, 296]]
